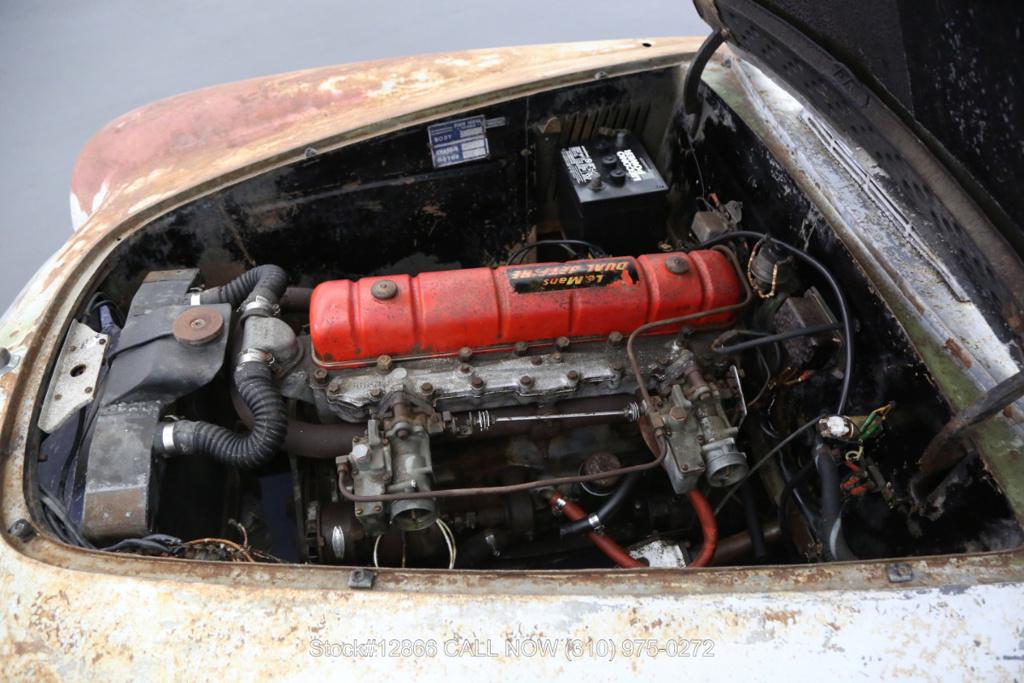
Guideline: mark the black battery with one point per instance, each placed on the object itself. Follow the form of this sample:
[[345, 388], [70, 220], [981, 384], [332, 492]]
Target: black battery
[[611, 194]]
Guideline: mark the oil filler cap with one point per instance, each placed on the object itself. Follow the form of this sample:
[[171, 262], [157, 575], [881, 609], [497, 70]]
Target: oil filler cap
[[198, 325]]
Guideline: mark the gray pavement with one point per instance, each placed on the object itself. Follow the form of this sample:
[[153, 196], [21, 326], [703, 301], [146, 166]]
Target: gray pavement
[[67, 68]]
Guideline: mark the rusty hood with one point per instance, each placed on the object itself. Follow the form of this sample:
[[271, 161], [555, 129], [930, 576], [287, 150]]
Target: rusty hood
[[950, 71], [221, 132]]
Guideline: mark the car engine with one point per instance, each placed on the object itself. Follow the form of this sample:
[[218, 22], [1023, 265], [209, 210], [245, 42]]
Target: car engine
[[572, 353]]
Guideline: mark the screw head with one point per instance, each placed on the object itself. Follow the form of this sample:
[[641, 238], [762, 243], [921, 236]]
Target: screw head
[[22, 530], [427, 388], [385, 363], [382, 290], [572, 376], [320, 376], [477, 382], [465, 353], [334, 387], [677, 265], [615, 338], [562, 343], [521, 348], [536, 360], [376, 393], [526, 381]]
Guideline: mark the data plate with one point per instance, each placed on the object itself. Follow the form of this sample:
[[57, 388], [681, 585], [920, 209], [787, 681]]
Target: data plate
[[459, 141]]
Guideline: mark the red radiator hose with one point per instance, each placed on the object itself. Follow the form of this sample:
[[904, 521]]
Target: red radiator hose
[[708, 526], [613, 550], [705, 514]]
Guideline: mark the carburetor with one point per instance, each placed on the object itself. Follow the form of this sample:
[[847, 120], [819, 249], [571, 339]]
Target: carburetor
[[700, 438], [393, 457]]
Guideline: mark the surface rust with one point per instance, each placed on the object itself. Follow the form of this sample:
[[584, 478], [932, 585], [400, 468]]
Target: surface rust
[[72, 613]]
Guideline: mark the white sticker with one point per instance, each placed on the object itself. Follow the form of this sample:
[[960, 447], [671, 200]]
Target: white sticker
[[634, 167]]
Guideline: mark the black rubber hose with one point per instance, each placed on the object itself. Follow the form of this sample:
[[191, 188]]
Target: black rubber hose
[[265, 281], [611, 505], [831, 502], [296, 299], [754, 526], [788, 491], [767, 339], [255, 384], [692, 80]]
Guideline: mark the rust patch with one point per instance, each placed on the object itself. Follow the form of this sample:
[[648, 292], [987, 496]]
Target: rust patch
[[958, 352]]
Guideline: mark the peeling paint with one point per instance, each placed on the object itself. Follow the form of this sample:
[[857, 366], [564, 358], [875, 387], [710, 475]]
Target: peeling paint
[[72, 613]]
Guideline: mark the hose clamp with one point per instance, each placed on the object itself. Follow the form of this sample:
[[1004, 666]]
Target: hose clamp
[[560, 503], [195, 298], [255, 356], [595, 522], [167, 437], [260, 306]]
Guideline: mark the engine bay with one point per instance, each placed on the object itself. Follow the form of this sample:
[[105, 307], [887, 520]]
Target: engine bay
[[612, 345]]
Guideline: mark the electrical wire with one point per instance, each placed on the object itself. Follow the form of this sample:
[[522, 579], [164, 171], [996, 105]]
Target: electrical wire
[[64, 528], [566, 244], [788, 491], [159, 543], [631, 353], [446, 533], [844, 309], [760, 463], [764, 339], [449, 539]]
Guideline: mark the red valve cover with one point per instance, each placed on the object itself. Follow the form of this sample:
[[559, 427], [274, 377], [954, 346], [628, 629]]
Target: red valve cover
[[437, 313]]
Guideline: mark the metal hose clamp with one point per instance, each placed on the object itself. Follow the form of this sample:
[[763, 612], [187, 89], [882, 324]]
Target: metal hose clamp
[[260, 306], [167, 437], [255, 356]]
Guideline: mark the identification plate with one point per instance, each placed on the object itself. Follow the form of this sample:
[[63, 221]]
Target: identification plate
[[458, 141]]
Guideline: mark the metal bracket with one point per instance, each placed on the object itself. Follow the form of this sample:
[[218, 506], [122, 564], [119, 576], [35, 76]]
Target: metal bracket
[[74, 380], [361, 579], [900, 572], [8, 361]]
